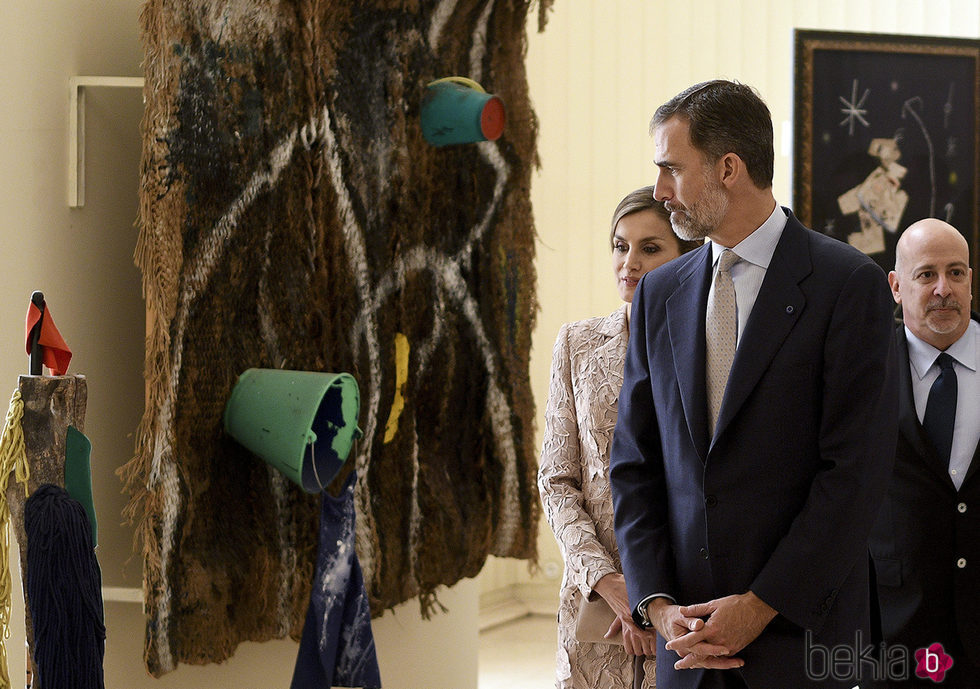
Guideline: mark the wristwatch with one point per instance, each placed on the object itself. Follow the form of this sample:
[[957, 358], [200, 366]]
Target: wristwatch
[[640, 615]]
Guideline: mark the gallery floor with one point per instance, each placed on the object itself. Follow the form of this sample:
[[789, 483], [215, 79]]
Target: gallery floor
[[520, 653]]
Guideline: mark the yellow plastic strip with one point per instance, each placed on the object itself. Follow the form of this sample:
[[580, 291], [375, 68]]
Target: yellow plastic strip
[[401, 376], [459, 80]]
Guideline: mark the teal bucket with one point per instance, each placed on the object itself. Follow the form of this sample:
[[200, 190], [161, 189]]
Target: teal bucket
[[303, 423], [457, 110]]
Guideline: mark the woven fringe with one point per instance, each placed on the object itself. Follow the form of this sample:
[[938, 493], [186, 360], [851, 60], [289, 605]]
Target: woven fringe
[[13, 460]]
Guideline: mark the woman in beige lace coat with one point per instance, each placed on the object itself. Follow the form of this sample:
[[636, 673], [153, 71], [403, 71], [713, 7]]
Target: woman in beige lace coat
[[586, 376]]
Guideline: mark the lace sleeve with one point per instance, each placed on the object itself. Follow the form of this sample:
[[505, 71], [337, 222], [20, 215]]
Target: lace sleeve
[[560, 478]]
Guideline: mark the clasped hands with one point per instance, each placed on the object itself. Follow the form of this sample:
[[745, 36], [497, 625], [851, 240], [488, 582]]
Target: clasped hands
[[708, 635], [636, 641]]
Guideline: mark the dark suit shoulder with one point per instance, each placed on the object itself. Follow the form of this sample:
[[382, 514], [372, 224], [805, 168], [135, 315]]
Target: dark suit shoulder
[[668, 275]]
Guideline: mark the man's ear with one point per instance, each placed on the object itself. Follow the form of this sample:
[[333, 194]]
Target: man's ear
[[893, 283], [730, 168]]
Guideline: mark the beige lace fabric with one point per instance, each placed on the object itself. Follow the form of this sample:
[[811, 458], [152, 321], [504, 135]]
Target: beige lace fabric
[[586, 377]]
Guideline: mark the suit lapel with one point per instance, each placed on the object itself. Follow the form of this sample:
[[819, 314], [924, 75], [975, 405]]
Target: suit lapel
[[685, 325], [775, 312], [908, 421], [606, 378], [611, 353]]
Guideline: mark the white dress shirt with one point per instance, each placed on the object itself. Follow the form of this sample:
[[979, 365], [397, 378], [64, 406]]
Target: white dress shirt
[[966, 427], [756, 252]]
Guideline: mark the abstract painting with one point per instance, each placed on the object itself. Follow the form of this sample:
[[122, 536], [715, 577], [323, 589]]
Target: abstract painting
[[887, 132]]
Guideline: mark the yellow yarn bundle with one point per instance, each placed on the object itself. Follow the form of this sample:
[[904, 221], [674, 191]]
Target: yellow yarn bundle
[[13, 459]]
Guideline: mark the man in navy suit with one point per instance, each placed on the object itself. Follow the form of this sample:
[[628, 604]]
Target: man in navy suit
[[926, 541], [757, 420]]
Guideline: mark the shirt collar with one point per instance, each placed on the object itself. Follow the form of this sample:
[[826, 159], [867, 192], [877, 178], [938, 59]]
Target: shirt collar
[[759, 246], [922, 355]]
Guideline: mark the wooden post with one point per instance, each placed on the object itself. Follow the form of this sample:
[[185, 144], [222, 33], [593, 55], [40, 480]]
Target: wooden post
[[51, 405]]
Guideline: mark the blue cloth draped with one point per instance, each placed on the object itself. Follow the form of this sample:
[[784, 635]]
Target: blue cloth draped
[[337, 647]]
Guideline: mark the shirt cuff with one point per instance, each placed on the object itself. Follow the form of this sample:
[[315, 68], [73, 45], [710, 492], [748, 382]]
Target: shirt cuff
[[640, 612]]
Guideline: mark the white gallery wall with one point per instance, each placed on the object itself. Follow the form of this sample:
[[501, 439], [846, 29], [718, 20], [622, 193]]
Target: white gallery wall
[[596, 74]]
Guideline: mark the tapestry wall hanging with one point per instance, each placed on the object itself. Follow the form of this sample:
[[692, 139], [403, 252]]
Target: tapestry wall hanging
[[292, 216], [887, 133]]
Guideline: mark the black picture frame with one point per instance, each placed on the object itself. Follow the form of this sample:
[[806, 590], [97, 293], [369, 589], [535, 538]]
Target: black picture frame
[[886, 132]]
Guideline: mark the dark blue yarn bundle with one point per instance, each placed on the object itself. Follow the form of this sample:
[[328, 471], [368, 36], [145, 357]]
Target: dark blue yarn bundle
[[64, 592]]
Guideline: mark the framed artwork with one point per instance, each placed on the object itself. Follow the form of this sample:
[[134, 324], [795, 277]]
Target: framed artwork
[[887, 132]]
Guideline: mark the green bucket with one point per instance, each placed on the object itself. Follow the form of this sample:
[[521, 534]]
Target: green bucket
[[301, 422], [456, 110]]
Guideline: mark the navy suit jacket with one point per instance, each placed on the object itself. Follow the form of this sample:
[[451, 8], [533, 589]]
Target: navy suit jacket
[[781, 501], [924, 528]]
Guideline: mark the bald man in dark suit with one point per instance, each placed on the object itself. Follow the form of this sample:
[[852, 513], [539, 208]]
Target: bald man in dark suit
[[926, 540]]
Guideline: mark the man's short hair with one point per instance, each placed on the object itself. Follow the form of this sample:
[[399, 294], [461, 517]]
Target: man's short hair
[[726, 117]]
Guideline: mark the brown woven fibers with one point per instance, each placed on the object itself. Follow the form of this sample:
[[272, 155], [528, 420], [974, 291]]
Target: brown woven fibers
[[292, 216]]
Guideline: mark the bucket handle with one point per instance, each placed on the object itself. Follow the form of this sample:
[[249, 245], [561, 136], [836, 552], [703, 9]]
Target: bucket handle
[[459, 80], [311, 441]]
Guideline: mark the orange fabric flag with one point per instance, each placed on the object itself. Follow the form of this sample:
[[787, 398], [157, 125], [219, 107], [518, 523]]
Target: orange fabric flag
[[56, 354]]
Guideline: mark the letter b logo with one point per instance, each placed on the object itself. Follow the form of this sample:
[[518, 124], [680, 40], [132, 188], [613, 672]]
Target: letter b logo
[[932, 662]]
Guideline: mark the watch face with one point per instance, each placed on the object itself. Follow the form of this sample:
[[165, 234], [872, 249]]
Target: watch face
[[644, 619]]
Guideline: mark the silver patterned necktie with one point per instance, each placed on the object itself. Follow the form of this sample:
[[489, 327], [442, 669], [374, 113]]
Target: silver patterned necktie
[[721, 335]]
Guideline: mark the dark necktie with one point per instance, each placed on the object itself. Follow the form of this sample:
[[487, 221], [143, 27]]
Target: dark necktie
[[941, 408]]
